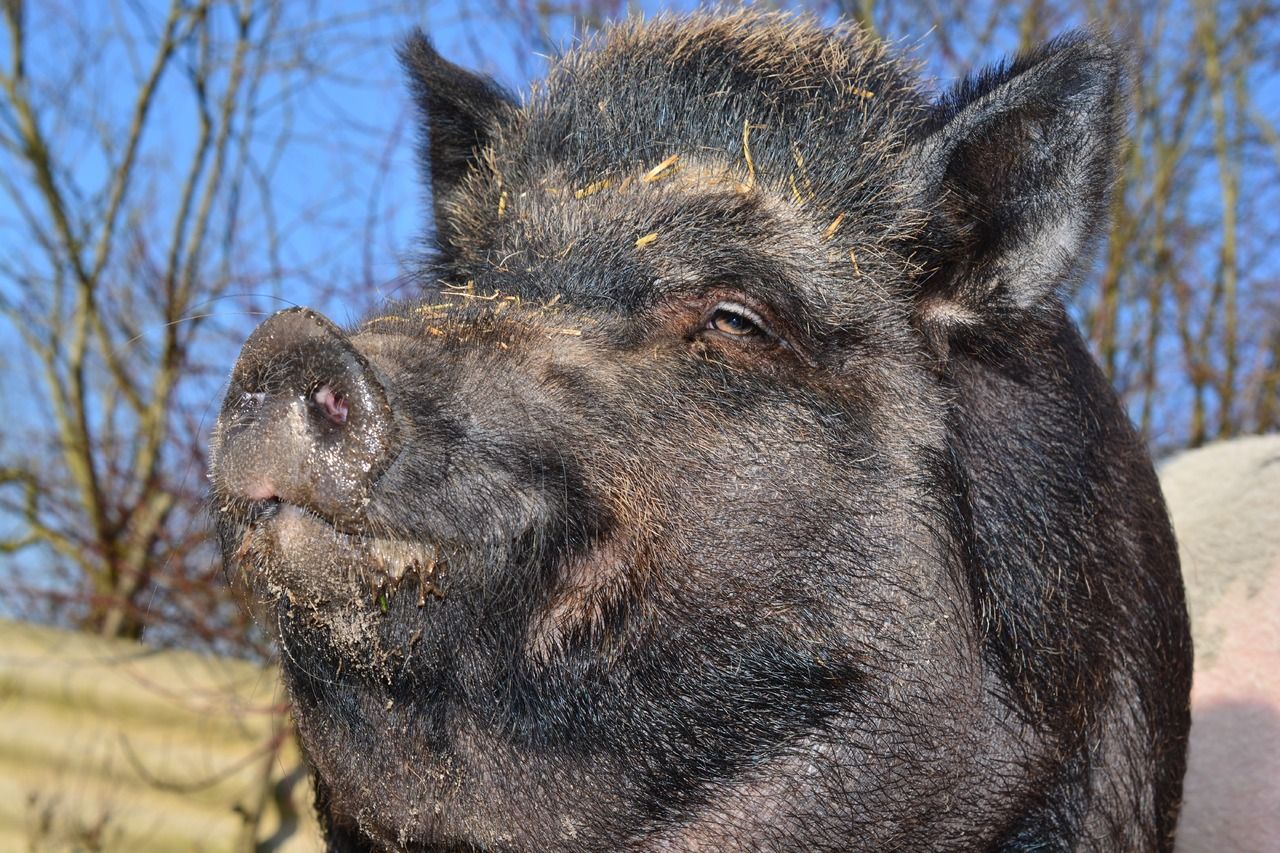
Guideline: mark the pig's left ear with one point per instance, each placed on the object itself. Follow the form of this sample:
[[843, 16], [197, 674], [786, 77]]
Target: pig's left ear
[[1017, 168], [460, 110]]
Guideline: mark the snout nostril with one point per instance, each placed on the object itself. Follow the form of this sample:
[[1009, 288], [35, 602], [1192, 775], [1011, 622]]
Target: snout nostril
[[333, 404], [307, 422]]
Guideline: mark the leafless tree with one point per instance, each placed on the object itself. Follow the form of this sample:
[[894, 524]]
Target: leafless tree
[[138, 161], [1183, 308]]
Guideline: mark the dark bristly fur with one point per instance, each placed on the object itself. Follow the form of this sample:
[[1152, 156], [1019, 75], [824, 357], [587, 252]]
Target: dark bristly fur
[[739, 482]]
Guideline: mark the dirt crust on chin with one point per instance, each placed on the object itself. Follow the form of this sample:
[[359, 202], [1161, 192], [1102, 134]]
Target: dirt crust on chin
[[341, 583]]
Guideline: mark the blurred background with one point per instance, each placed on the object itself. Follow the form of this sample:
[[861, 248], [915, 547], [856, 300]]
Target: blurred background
[[170, 174]]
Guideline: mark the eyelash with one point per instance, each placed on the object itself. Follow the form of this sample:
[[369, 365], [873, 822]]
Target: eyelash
[[750, 324]]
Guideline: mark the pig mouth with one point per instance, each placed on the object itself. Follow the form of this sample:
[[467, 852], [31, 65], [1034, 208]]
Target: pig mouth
[[300, 557], [354, 595]]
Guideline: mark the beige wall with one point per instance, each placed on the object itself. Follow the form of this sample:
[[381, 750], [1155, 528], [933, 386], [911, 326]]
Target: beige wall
[[113, 746]]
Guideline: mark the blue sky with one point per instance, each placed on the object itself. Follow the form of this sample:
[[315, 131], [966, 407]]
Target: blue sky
[[348, 159]]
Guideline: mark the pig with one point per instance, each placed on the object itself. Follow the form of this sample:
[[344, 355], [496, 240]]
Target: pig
[[1225, 504], [735, 480]]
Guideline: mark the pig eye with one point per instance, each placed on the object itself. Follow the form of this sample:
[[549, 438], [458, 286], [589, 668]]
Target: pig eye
[[736, 321]]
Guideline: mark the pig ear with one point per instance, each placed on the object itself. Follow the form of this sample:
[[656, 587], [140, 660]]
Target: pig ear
[[460, 113], [1019, 164]]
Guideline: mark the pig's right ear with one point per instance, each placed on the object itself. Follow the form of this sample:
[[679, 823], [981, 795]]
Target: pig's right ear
[[460, 112], [1016, 169]]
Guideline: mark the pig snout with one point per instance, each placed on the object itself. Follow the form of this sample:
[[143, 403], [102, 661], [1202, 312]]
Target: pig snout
[[305, 421]]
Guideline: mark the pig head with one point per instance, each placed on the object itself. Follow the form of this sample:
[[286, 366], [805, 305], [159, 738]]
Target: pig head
[[738, 479]]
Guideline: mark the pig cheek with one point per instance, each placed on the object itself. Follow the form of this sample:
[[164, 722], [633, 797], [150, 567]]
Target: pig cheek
[[591, 598], [595, 591]]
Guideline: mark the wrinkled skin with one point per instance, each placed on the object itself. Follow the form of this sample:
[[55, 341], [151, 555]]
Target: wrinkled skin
[[739, 481]]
